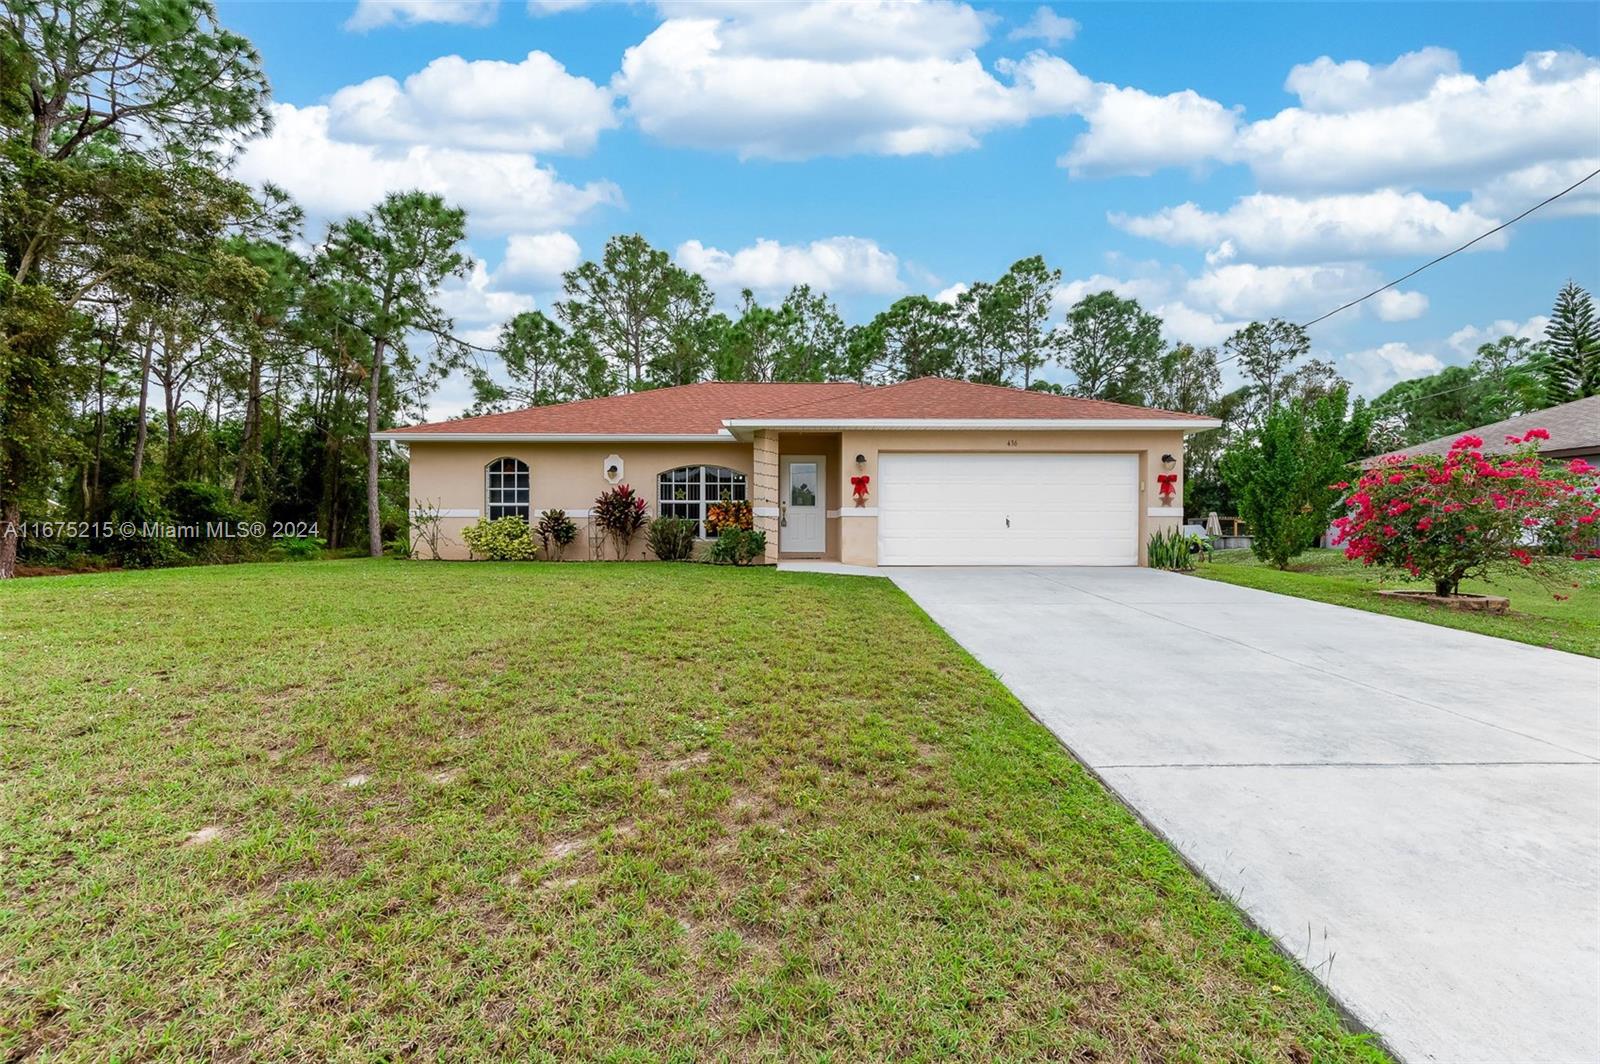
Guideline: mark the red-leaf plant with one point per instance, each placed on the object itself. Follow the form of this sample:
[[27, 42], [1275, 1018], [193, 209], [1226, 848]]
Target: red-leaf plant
[[1471, 514], [620, 513]]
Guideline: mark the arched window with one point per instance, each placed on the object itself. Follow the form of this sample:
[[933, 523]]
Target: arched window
[[688, 490], [506, 484]]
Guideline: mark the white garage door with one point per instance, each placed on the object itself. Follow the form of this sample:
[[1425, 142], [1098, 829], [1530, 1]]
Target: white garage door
[[1008, 509]]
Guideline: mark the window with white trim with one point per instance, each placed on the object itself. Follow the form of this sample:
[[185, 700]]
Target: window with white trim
[[688, 490], [506, 485]]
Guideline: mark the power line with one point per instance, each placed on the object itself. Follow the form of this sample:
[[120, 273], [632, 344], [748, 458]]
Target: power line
[[1446, 255]]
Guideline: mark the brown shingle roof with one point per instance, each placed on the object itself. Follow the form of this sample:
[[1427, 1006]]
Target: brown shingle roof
[[1574, 429], [700, 409], [687, 410], [942, 399]]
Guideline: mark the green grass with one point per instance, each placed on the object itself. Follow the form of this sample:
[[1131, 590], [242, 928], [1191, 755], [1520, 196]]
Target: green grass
[[1536, 616], [622, 812]]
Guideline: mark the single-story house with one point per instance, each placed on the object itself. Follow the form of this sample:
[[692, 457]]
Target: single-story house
[[1574, 430], [954, 473]]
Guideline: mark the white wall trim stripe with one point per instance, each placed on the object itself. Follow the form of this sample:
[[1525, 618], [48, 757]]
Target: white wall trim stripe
[[859, 511], [451, 513], [1164, 511]]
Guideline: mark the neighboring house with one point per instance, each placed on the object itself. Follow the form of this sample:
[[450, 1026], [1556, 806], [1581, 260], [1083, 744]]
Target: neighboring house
[[959, 473], [1574, 433]]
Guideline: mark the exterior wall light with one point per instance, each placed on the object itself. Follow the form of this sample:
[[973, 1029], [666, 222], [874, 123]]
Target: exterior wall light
[[613, 468], [1168, 463], [861, 461]]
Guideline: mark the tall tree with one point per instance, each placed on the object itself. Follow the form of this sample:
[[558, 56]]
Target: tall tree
[[915, 337], [1187, 379], [543, 365], [635, 307], [1027, 290], [984, 326], [1113, 348], [1573, 341], [813, 343], [1265, 351], [1512, 372], [751, 348], [93, 92], [387, 266]]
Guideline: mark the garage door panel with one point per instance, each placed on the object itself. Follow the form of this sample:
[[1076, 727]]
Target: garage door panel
[[952, 509]]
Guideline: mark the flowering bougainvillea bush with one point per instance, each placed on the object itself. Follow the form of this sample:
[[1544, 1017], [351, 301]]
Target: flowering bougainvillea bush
[[1469, 514]]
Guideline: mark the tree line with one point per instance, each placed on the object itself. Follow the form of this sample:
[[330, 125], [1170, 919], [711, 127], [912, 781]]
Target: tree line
[[176, 346]]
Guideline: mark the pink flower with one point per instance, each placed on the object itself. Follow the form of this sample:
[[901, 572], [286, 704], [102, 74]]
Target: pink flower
[[1397, 478], [1424, 524], [1579, 466], [1536, 434], [1513, 440], [1467, 442]]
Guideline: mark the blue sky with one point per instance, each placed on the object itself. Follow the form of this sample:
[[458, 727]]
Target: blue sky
[[1220, 162]]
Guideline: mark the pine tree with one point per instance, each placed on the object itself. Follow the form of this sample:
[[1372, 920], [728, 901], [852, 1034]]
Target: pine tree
[[1573, 341]]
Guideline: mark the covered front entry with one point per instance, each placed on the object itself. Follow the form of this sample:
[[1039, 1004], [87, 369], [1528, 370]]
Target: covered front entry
[[1008, 509]]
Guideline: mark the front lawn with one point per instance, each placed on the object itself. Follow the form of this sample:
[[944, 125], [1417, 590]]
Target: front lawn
[[630, 812], [1536, 616]]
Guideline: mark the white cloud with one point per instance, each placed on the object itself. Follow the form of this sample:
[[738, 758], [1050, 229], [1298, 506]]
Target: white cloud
[[1463, 131], [476, 300], [951, 295], [1046, 26], [791, 81], [501, 191], [556, 7], [1144, 289], [1159, 292], [1414, 122], [836, 264], [540, 257], [1392, 304], [1510, 194], [1184, 324], [1376, 369], [371, 14], [1134, 132], [1466, 340], [1250, 291], [533, 105], [1325, 85], [839, 30], [1289, 229]]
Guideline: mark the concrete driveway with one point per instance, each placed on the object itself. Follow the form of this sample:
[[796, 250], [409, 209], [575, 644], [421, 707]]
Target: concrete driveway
[[1412, 811]]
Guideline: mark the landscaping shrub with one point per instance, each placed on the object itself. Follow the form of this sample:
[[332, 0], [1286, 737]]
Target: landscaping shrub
[[671, 538], [738, 546], [1176, 551], [1467, 514], [620, 514], [1280, 480], [299, 548], [505, 539], [556, 532], [729, 513], [135, 511], [198, 503]]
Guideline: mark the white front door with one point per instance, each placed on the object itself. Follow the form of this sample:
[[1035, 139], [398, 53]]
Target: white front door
[[1008, 509], [803, 518]]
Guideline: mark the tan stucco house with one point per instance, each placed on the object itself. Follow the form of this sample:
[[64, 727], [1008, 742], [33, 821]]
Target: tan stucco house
[[956, 473]]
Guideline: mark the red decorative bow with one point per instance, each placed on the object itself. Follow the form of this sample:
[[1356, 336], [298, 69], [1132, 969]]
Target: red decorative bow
[[1168, 484], [858, 487]]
